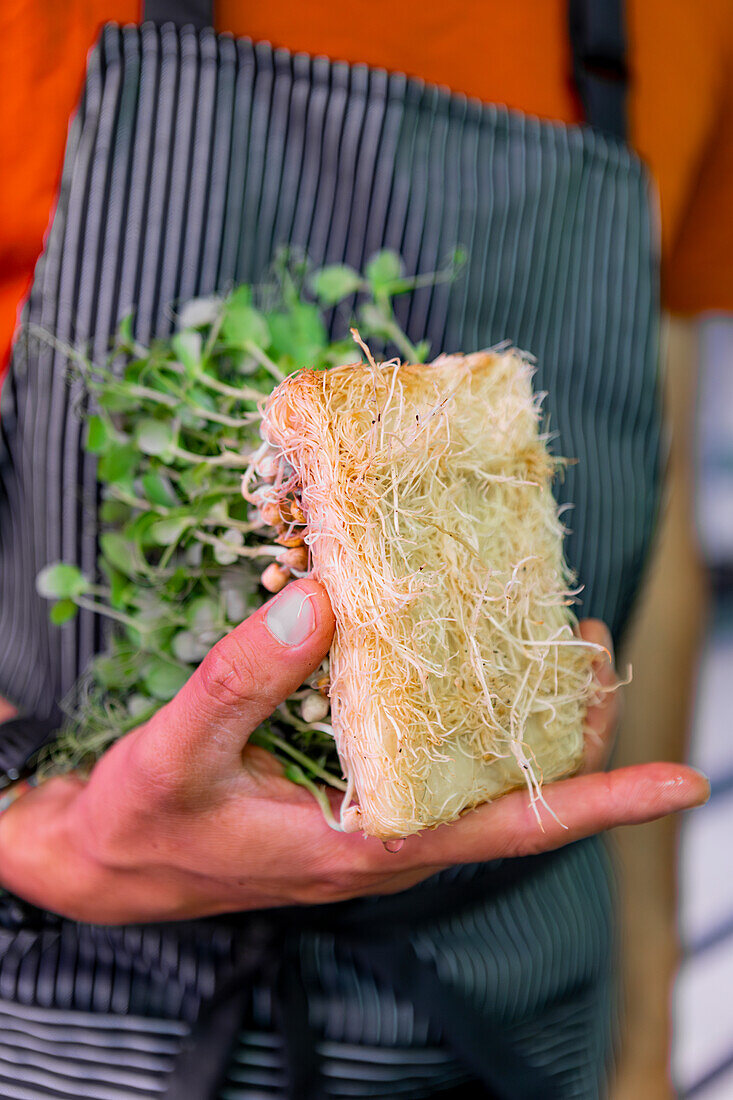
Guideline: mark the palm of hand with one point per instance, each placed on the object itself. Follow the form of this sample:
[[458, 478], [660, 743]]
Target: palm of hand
[[184, 818]]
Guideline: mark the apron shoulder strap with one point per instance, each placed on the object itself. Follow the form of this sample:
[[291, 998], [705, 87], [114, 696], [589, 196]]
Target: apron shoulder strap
[[600, 71], [195, 13]]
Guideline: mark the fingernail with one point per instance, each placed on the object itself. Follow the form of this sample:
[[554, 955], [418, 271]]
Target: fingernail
[[290, 617], [691, 789], [704, 789]]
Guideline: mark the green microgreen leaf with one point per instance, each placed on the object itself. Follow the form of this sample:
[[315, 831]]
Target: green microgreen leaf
[[242, 324], [374, 322], [422, 350], [61, 581], [163, 679], [334, 283], [199, 313], [114, 512], [228, 545], [299, 334], [155, 437], [117, 463], [167, 419], [383, 272], [118, 671], [188, 648], [159, 490], [115, 401], [100, 436], [187, 347], [121, 587], [122, 554], [167, 532], [63, 611], [140, 706], [125, 337]]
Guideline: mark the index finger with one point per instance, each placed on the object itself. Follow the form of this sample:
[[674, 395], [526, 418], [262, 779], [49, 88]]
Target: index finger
[[582, 806]]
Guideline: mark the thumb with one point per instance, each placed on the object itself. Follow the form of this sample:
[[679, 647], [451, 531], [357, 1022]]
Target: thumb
[[241, 681]]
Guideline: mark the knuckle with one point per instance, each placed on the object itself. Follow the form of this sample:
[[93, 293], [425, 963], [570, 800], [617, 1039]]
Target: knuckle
[[228, 675]]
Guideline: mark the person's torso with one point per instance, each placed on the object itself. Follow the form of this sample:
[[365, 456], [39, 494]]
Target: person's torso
[[192, 158]]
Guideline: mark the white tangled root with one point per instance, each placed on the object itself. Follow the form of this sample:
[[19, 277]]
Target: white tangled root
[[423, 497]]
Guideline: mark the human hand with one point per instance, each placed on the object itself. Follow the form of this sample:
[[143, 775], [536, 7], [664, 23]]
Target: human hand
[[183, 818]]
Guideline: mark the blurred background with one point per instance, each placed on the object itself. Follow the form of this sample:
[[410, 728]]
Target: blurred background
[[676, 881], [678, 888]]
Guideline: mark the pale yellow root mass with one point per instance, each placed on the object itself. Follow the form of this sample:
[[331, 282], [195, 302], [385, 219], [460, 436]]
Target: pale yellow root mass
[[424, 495]]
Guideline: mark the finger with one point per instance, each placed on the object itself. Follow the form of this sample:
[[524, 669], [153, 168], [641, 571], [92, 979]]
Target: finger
[[601, 718], [582, 806], [239, 684], [597, 633]]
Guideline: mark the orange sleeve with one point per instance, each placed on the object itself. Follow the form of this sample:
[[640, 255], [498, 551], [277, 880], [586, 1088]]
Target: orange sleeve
[[699, 274], [681, 122], [43, 51], [515, 52]]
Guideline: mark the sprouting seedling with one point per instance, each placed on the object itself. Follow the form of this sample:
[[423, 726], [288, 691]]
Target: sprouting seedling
[[478, 660], [181, 552]]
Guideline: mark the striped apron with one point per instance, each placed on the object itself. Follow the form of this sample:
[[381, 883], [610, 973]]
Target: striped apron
[[191, 158]]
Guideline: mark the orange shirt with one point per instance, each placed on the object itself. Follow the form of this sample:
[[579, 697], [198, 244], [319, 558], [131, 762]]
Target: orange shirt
[[517, 53]]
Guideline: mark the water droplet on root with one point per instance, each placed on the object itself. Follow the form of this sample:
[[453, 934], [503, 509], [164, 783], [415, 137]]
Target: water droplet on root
[[394, 845]]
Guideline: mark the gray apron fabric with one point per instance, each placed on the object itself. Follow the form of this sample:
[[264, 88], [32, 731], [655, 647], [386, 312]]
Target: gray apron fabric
[[191, 158]]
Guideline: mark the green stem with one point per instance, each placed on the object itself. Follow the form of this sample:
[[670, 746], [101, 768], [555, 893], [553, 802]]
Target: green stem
[[235, 524], [222, 418], [241, 551], [59, 345], [208, 414], [265, 361], [245, 393], [132, 389], [110, 613], [134, 501], [295, 775], [229, 458], [213, 336], [306, 762], [400, 339]]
